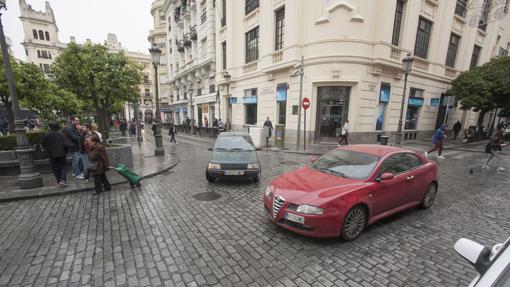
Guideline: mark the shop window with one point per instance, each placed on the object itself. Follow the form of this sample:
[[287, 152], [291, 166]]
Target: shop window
[[250, 107], [413, 108]]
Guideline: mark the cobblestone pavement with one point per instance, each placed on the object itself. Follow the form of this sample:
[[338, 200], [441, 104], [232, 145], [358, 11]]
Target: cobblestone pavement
[[162, 235]]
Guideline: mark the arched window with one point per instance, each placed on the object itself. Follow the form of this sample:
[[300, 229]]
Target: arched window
[[41, 35], [35, 33], [47, 36]]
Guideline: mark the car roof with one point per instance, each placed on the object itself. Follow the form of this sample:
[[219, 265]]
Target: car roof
[[233, 134], [373, 149]]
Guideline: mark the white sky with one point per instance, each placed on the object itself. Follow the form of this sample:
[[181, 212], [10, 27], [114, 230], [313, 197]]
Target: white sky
[[131, 20]]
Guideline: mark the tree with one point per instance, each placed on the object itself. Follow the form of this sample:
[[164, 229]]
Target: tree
[[99, 78]]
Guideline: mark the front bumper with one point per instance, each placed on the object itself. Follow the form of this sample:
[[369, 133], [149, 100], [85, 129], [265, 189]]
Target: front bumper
[[323, 225], [219, 173]]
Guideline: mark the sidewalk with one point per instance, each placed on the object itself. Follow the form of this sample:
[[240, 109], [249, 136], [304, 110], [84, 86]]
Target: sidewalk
[[144, 163]]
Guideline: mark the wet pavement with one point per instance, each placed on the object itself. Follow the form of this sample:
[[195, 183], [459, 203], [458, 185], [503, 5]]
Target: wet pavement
[[180, 230]]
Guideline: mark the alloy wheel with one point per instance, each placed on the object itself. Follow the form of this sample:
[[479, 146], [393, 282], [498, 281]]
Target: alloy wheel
[[354, 223], [429, 197]]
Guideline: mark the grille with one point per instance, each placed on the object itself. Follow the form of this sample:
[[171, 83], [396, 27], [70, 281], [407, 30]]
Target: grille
[[233, 166], [277, 204]]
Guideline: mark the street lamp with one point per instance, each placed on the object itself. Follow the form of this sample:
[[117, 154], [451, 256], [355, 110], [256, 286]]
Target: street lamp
[[227, 77], [407, 66], [155, 52], [137, 120], [29, 177], [299, 71]]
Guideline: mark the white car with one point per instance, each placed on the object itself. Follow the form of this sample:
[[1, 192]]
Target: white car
[[492, 264]]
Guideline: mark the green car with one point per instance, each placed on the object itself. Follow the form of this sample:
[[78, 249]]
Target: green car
[[233, 156]]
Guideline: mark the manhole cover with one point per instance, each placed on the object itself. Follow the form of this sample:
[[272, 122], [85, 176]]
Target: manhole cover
[[207, 196]]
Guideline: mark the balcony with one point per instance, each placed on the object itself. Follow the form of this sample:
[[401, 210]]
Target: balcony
[[147, 95], [450, 73], [396, 54], [251, 67], [277, 56], [421, 64]]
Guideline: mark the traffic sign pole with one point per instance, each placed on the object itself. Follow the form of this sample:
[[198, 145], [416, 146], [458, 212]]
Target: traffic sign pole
[[304, 135], [306, 105]]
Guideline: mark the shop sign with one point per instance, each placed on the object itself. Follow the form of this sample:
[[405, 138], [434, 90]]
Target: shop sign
[[384, 96], [416, 102], [434, 102], [281, 92], [250, 100], [233, 100]]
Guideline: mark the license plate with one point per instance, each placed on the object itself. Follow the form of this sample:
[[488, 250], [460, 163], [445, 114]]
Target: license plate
[[294, 217], [234, 172]]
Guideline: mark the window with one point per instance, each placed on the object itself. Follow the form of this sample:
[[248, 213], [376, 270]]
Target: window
[[146, 79], [250, 5], [460, 8], [421, 47], [47, 36], [49, 55], [502, 52], [224, 54], [416, 93], [486, 9], [280, 24], [282, 112], [475, 56], [35, 33], [38, 53], [212, 88], [453, 46], [203, 17], [397, 22], [344, 163], [250, 107], [147, 93], [223, 13], [44, 54], [411, 161], [41, 35], [413, 108], [394, 164], [252, 45], [46, 68], [199, 92]]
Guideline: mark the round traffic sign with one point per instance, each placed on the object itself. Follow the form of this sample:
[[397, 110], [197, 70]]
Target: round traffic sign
[[305, 103]]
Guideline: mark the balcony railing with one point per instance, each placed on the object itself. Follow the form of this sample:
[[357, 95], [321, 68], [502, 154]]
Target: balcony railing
[[278, 56], [250, 67], [421, 64], [147, 95], [395, 54]]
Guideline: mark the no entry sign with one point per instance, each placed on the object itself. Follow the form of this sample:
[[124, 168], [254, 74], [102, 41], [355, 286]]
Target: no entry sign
[[305, 103]]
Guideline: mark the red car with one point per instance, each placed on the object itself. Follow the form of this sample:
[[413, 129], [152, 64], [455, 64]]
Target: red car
[[341, 192]]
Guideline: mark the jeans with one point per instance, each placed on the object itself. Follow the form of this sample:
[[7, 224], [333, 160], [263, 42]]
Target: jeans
[[437, 146], [101, 181], [494, 154], [59, 168], [172, 139], [86, 163], [75, 163]]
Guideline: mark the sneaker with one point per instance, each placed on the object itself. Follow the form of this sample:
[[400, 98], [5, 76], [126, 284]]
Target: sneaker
[[426, 154], [440, 157], [64, 184], [501, 168], [80, 177], [485, 166]]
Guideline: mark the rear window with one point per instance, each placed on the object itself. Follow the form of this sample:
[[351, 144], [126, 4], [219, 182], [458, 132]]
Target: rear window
[[234, 143]]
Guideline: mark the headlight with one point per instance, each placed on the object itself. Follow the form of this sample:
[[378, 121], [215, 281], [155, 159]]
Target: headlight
[[253, 166], [269, 192], [308, 209], [214, 166]]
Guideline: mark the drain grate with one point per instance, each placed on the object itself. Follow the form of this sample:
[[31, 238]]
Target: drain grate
[[207, 196]]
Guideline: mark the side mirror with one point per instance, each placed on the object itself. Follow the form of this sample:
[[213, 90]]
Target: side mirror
[[477, 254], [209, 148], [385, 176]]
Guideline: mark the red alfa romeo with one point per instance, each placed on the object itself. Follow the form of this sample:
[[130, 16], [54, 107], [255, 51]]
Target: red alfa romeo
[[341, 192]]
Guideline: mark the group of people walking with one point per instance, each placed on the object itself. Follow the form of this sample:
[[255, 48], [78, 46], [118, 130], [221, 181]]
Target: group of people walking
[[88, 155]]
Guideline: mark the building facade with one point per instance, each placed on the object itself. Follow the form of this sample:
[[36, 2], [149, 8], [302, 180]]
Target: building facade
[[190, 54], [352, 51], [42, 46]]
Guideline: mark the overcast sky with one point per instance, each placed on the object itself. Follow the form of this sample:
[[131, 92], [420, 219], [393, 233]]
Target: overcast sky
[[131, 20]]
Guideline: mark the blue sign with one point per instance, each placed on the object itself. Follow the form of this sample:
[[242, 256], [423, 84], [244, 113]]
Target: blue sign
[[434, 102], [384, 96], [416, 102], [281, 92], [233, 100], [177, 110], [250, 100], [184, 110]]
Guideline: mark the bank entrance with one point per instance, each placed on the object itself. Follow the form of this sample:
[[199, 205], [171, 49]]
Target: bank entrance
[[332, 111]]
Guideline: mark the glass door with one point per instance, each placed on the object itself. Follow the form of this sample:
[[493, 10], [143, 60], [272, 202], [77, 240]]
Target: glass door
[[332, 111]]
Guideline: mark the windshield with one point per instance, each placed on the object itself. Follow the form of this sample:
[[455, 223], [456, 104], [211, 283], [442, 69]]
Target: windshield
[[234, 143], [346, 164]]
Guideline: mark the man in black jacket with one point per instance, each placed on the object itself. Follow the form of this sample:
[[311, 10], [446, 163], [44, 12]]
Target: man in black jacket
[[72, 134], [54, 144]]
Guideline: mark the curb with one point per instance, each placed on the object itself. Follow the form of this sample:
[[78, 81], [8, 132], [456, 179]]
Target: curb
[[80, 189], [291, 152]]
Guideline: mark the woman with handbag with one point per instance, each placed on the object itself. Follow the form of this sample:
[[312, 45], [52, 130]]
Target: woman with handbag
[[99, 164]]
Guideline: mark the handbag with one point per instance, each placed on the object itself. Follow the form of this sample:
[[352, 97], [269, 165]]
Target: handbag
[[92, 166]]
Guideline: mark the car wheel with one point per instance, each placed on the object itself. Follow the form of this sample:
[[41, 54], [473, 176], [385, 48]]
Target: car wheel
[[429, 196], [257, 178], [209, 178], [354, 223]]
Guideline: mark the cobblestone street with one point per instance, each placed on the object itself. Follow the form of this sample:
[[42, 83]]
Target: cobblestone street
[[163, 235]]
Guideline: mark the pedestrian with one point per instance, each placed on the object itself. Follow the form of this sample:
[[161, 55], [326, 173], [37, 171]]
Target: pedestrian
[[54, 144], [85, 150], [172, 132], [494, 149], [268, 124], [154, 129], [438, 142], [93, 128], [221, 125], [344, 134], [123, 127], [215, 123], [206, 121], [456, 129], [132, 128], [72, 135], [31, 124], [99, 164]]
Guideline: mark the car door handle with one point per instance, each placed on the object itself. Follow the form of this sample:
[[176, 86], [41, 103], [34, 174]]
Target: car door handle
[[410, 177]]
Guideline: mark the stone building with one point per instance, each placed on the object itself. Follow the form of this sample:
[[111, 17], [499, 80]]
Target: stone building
[[42, 46], [353, 51]]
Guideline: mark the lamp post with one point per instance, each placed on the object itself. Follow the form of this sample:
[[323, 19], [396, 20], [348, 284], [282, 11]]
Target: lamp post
[[227, 77], [29, 177], [139, 137], [407, 66], [300, 71], [155, 52]]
